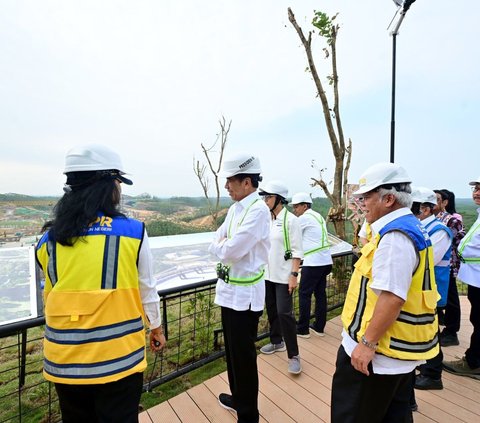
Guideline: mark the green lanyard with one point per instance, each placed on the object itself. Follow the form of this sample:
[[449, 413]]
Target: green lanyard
[[229, 232], [465, 241], [286, 238], [324, 244]]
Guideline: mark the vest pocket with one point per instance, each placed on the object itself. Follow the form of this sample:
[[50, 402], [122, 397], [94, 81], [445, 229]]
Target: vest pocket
[[75, 303]]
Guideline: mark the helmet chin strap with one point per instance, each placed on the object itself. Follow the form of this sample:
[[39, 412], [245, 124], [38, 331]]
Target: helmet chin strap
[[277, 202]]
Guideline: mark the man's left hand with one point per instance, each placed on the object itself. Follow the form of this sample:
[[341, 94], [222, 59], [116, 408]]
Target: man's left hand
[[361, 358]]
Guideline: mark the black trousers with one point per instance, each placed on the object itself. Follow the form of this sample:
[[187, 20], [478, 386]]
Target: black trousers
[[357, 398], [433, 367], [472, 354], [240, 334], [280, 316], [313, 281], [452, 309], [101, 403]]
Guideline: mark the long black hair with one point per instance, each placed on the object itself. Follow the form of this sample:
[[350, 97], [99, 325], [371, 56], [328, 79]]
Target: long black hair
[[78, 208], [450, 208]]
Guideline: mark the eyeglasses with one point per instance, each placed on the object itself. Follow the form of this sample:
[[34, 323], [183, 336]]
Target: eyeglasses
[[475, 188]]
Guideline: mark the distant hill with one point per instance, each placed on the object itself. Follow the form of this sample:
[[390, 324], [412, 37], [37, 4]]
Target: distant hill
[[12, 197]]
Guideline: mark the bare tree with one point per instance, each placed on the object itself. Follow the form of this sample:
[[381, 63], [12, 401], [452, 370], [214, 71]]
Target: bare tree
[[201, 168], [341, 152]]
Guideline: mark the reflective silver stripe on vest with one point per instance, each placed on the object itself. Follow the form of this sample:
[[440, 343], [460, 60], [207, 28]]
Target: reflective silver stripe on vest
[[361, 304], [110, 262], [427, 284], [94, 370], [414, 319], [98, 334], [398, 344], [52, 262]]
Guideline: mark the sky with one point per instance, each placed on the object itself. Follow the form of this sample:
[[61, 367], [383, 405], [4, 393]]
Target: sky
[[152, 78]]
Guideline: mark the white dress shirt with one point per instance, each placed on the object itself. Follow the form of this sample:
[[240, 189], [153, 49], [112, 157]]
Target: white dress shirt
[[148, 285], [312, 235], [469, 273], [242, 242], [278, 269]]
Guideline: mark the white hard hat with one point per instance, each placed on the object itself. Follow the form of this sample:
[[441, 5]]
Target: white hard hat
[[240, 163], [274, 187], [301, 197], [94, 157], [381, 174], [475, 182], [423, 195]]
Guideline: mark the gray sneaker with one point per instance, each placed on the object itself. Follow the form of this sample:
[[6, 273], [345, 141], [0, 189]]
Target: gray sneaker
[[273, 348], [294, 365], [461, 368]]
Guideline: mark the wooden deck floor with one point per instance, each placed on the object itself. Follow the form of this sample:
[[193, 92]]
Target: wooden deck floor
[[306, 398]]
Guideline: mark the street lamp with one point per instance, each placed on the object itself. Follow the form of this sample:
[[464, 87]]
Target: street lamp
[[403, 6]]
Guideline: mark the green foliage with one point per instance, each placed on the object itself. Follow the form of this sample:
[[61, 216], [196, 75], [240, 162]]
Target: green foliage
[[167, 227], [324, 24]]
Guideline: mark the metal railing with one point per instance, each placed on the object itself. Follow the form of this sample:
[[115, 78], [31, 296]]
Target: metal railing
[[192, 325]]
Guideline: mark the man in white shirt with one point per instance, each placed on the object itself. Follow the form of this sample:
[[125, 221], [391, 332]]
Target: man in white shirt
[[389, 321], [242, 244], [317, 265], [469, 273]]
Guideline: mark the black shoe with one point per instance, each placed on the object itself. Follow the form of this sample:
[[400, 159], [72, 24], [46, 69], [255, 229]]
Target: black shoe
[[226, 401], [447, 340], [303, 333], [427, 383]]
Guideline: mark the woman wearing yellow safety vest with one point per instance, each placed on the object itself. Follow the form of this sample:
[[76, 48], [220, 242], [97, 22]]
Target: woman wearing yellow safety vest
[[99, 290], [281, 274]]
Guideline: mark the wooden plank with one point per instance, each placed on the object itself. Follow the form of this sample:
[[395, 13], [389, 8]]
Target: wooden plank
[[455, 411], [323, 380], [186, 409], [304, 398], [144, 418], [297, 387], [287, 407], [208, 403], [262, 420], [163, 413]]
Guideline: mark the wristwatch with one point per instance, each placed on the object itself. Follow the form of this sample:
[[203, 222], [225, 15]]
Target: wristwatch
[[294, 274], [370, 345]]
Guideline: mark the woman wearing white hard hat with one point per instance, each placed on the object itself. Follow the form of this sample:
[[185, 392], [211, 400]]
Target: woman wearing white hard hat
[[282, 274], [99, 293]]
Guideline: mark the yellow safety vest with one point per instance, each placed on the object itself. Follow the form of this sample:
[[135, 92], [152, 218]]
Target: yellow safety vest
[[94, 329], [414, 335]]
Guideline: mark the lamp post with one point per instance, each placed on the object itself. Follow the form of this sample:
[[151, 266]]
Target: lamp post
[[404, 5]]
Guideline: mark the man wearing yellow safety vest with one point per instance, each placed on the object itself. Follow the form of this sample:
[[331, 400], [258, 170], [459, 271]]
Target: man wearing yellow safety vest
[[99, 293], [389, 321], [281, 274], [317, 265], [242, 244], [469, 273]]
